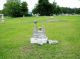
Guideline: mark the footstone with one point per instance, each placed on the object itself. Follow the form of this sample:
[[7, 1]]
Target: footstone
[[52, 41]]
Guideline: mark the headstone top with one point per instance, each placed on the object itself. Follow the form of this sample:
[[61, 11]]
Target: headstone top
[[35, 21], [40, 28]]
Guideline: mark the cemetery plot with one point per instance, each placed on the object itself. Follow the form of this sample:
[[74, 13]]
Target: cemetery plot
[[15, 38]]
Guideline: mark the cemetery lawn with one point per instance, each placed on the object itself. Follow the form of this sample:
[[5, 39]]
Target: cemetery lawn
[[15, 34]]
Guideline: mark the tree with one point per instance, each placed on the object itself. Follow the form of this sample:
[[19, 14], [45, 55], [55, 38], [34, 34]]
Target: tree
[[15, 9], [78, 11], [58, 10], [54, 7], [12, 8], [8, 1], [24, 8], [43, 1], [44, 8], [35, 10], [0, 11]]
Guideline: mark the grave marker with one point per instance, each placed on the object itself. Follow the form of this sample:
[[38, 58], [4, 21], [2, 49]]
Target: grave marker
[[39, 36], [1, 17]]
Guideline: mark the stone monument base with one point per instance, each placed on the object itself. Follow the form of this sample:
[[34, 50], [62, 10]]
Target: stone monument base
[[39, 41], [42, 41]]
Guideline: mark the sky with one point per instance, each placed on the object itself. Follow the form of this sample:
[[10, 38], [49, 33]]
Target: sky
[[62, 3]]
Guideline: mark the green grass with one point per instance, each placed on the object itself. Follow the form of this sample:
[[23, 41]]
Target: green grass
[[15, 34]]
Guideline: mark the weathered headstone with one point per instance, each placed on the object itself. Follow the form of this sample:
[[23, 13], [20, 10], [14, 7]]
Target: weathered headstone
[[1, 17], [39, 35]]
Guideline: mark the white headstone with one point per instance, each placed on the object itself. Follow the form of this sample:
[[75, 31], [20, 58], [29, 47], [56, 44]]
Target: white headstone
[[39, 35], [1, 17]]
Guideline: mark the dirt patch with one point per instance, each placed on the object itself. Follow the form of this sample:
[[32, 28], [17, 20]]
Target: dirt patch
[[26, 49]]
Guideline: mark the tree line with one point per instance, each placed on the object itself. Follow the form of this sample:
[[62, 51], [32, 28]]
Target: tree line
[[16, 8], [44, 8]]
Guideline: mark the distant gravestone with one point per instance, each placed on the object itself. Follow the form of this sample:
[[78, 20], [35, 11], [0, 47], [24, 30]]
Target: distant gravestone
[[1, 17], [51, 17]]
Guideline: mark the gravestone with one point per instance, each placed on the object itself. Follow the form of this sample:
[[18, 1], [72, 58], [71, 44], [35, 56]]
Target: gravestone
[[39, 35], [1, 17]]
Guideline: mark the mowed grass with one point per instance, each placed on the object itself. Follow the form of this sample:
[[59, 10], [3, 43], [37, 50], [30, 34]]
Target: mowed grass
[[15, 34]]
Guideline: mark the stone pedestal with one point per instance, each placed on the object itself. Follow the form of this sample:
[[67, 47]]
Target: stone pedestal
[[39, 35]]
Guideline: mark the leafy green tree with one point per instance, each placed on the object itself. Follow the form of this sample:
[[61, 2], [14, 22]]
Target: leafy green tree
[[35, 10], [0, 11], [12, 8], [58, 10], [24, 8], [78, 11], [43, 1], [8, 1], [15, 9], [54, 7], [44, 8]]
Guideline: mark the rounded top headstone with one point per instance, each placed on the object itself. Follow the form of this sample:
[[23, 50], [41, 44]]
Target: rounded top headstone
[[35, 21]]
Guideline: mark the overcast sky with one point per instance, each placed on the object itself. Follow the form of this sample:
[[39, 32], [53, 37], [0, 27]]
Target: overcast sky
[[62, 3]]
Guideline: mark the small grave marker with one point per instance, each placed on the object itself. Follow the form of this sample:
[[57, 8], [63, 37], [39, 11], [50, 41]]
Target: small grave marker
[[1, 17]]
